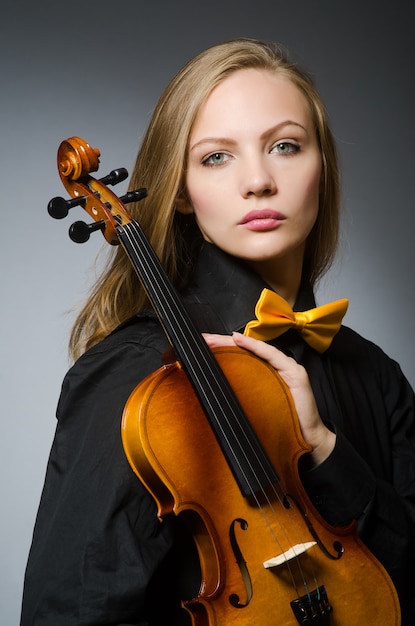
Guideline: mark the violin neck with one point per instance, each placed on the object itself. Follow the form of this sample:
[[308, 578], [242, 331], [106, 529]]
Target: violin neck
[[248, 461]]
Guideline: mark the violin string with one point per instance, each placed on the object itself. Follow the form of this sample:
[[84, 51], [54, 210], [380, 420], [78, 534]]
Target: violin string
[[159, 279]]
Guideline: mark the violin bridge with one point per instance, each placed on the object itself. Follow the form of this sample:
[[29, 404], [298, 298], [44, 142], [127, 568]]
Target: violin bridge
[[292, 553]]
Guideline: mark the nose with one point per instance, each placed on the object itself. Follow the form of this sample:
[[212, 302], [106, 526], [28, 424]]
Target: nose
[[257, 178]]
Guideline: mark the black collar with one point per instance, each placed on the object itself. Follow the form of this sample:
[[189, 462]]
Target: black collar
[[230, 289]]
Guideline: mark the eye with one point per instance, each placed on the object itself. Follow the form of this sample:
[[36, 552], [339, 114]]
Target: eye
[[285, 147], [217, 158]]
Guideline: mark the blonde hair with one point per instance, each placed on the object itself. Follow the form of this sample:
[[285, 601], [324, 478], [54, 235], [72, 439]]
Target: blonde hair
[[161, 168]]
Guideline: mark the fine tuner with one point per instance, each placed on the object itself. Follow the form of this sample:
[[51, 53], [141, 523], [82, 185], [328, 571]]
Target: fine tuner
[[92, 194]]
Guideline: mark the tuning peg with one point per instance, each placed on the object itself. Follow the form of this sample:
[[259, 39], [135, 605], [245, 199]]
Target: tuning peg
[[59, 207], [134, 196], [115, 176], [80, 232]]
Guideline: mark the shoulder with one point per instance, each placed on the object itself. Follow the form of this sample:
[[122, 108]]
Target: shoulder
[[348, 344], [140, 335], [348, 340], [120, 361], [352, 351]]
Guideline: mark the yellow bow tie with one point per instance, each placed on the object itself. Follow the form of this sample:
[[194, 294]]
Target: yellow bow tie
[[275, 316]]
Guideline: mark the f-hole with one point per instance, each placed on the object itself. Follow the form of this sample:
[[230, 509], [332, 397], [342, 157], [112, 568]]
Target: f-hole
[[337, 546], [234, 598]]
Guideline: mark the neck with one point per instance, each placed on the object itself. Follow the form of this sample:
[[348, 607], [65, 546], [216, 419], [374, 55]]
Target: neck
[[283, 278]]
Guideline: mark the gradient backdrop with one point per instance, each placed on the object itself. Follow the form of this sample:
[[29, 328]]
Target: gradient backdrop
[[96, 69]]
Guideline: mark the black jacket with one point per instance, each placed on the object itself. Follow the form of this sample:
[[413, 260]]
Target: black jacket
[[100, 555]]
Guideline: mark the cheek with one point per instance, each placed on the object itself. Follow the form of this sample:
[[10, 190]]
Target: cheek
[[314, 184], [203, 201], [312, 188]]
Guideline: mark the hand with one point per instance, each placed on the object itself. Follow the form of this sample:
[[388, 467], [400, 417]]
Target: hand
[[296, 378]]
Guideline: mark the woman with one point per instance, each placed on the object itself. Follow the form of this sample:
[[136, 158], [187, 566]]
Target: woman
[[241, 165]]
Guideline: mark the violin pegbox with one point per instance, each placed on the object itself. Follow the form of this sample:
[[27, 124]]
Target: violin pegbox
[[76, 160]]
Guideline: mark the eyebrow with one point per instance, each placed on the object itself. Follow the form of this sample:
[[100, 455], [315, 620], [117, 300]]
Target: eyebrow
[[222, 141]]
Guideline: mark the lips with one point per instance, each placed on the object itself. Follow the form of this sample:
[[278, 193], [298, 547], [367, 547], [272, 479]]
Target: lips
[[262, 219]]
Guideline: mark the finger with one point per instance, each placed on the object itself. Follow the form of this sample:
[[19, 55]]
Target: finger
[[263, 350], [292, 373], [218, 341]]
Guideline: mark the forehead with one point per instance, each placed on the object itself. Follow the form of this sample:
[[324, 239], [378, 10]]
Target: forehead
[[252, 96]]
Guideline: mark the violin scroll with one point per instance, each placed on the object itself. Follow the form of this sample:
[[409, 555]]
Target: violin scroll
[[76, 160]]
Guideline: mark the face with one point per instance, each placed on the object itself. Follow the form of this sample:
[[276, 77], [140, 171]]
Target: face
[[254, 170]]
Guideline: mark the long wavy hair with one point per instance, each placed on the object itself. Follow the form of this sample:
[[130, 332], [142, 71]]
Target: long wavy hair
[[161, 168]]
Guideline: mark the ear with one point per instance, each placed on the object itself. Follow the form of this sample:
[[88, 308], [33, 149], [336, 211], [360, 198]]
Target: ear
[[183, 205]]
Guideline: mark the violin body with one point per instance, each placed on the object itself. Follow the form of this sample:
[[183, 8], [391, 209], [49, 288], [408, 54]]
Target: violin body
[[173, 451]]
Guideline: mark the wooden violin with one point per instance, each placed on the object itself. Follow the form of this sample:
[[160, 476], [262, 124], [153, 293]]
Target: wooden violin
[[215, 438]]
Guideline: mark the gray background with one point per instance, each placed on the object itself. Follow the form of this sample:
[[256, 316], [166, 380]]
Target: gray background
[[94, 69]]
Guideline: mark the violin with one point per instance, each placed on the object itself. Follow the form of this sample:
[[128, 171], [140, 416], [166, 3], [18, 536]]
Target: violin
[[214, 436]]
